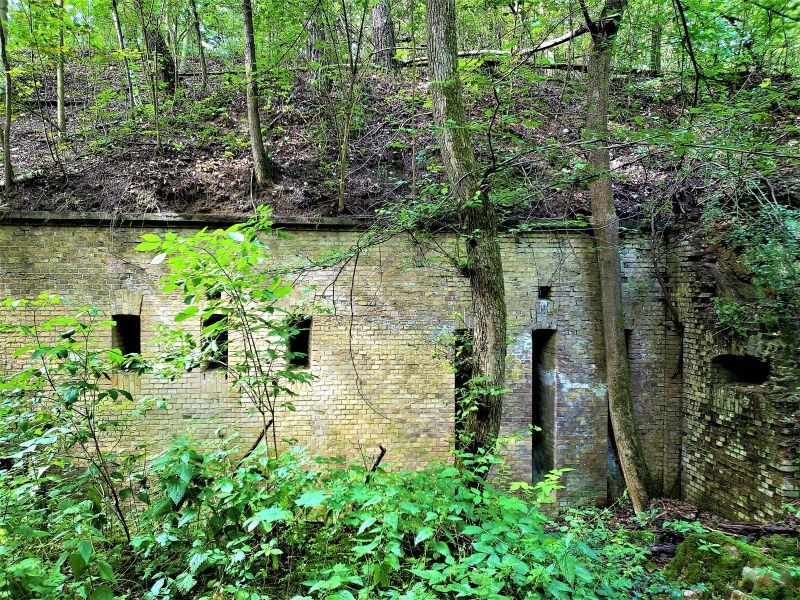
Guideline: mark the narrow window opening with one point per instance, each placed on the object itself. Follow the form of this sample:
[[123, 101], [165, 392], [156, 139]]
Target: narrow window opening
[[615, 480], [299, 345], [741, 369], [628, 342], [462, 363], [544, 292], [126, 335], [543, 392], [215, 332]]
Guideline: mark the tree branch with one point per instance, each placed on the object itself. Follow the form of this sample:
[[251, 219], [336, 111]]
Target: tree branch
[[520, 53]]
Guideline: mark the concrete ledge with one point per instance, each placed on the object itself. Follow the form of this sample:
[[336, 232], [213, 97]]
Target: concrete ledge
[[15, 217], [187, 221]]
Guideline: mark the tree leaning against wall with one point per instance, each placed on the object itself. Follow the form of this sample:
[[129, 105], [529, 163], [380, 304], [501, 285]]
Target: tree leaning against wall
[[606, 231], [478, 227]]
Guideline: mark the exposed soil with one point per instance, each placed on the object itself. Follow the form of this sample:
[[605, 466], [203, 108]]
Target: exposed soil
[[110, 163]]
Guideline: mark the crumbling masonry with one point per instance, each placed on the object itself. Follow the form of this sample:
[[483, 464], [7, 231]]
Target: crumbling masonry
[[712, 433]]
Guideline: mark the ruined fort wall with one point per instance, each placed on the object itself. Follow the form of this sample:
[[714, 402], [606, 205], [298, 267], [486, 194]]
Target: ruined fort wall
[[740, 443], [381, 373]]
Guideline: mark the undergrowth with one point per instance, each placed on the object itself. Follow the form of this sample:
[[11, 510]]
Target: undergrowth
[[208, 525]]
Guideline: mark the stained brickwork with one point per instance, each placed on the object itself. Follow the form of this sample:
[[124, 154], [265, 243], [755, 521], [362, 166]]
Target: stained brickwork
[[740, 445], [381, 375]]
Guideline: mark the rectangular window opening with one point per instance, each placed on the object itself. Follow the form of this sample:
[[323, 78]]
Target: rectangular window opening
[[462, 364], [544, 292], [215, 332], [299, 345], [543, 398], [126, 335]]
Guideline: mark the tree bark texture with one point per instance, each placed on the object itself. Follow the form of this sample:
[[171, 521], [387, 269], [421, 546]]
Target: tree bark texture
[[162, 57], [8, 170], [606, 231], [264, 171], [316, 54], [201, 51], [655, 49], [478, 225], [383, 37], [121, 42]]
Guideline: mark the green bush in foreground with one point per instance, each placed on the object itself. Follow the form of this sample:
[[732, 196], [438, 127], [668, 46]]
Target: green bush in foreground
[[262, 528]]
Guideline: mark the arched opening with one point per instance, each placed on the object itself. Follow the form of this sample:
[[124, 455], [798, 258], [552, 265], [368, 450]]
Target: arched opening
[[741, 369]]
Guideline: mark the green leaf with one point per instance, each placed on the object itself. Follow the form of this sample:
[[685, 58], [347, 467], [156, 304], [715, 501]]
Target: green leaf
[[267, 516], [311, 499], [85, 550], [106, 572], [186, 313], [423, 534], [76, 563], [176, 490], [158, 258], [102, 592], [236, 236]]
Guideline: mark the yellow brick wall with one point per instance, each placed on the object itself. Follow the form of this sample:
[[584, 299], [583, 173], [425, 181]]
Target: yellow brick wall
[[380, 376]]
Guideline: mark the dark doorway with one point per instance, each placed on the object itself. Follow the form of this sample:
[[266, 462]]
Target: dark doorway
[[742, 369], [543, 398], [215, 332]]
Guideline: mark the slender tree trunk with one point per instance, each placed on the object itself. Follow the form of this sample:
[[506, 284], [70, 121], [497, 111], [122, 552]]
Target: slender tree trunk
[[149, 63], [478, 223], [606, 231], [655, 49], [60, 109], [316, 54], [121, 42], [200, 49], [383, 38], [8, 170], [263, 168]]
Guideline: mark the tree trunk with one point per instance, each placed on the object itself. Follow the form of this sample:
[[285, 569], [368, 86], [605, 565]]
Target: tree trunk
[[60, 109], [8, 170], [478, 224], [315, 48], [149, 63], [121, 42], [200, 49], [163, 61], [655, 49], [606, 231], [383, 38], [264, 170]]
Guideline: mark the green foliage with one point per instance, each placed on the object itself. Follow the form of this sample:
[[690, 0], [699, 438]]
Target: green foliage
[[264, 527], [767, 240]]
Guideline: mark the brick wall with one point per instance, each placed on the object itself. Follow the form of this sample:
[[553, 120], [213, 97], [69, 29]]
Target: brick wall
[[740, 434], [381, 374]]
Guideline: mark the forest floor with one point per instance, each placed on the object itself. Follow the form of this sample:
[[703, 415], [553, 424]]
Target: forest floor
[[109, 160]]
